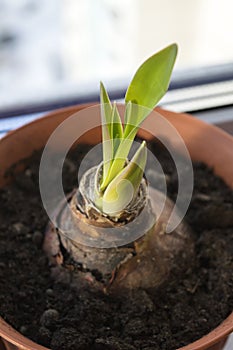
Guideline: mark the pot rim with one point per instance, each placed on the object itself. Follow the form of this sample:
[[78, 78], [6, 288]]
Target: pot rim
[[220, 332]]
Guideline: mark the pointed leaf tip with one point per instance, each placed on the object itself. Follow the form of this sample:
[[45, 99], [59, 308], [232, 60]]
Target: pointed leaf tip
[[152, 78]]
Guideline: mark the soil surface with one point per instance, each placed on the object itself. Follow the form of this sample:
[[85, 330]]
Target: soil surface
[[56, 315]]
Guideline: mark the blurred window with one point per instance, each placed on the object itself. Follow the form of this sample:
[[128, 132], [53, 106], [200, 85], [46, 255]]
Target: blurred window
[[55, 49]]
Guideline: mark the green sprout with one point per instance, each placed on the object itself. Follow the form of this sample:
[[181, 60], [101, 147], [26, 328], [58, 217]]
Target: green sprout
[[120, 178]]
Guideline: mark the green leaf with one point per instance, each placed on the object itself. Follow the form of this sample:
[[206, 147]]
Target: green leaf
[[131, 119], [120, 181], [106, 107], [116, 128], [150, 83], [120, 158], [121, 153], [106, 118], [118, 162], [124, 186]]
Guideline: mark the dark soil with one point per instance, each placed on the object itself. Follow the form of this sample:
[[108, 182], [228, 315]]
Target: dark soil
[[57, 316]]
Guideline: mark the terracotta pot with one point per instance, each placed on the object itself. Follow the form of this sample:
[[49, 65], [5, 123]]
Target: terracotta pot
[[205, 143]]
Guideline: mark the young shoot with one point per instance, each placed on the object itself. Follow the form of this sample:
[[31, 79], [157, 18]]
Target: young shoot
[[120, 178]]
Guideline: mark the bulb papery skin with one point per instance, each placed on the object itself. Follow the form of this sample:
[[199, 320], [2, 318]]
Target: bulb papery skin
[[90, 200]]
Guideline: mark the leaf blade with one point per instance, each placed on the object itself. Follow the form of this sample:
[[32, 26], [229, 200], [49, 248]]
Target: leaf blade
[[116, 128], [107, 140], [151, 81]]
